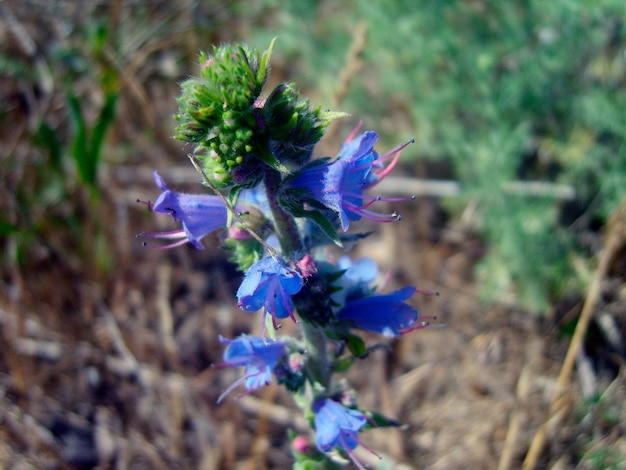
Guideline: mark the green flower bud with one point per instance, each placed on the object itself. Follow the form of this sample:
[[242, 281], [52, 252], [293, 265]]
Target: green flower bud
[[246, 250], [294, 127], [217, 110]]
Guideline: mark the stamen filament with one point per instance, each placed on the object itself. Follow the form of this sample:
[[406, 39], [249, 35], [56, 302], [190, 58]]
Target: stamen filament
[[147, 203], [285, 299], [369, 215], [169, 234], [166, 247], [396, 153]]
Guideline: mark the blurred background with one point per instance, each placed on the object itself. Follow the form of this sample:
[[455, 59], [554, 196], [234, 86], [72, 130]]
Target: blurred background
[[518, 109]]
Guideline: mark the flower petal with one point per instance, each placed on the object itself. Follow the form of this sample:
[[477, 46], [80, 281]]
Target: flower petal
[[386, 314]]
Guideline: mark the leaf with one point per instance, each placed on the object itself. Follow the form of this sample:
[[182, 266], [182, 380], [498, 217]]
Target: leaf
[[320, 219], [356, 345], [47, 137], [381, 421], [86, 148], [7, 228], [105, 119], [325, 224], [344, 364], [269, 159], [79, 145]]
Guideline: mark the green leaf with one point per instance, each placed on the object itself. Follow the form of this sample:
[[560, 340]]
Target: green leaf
[[7, 228], [86, 146], [105, 119], [265, 63], [47, 138], [343, 365], [381, 421], [269, 159], [80, 147], [356, 345], [325, 224], [320, 219]]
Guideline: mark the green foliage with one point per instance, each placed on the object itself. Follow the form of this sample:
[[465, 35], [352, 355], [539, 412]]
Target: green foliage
[[67, 147], [601, 422], [87, 144], [502, 92], [604, 459]]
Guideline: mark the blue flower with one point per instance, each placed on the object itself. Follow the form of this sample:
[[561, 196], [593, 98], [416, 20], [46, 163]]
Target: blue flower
[[259, 356], [387, 314], [336, 425], [269, 284], [355, 281], [199, 215], [340, 185]]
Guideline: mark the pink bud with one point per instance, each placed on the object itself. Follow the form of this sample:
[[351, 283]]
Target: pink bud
[[237, 233], [296, 362], [307, 266], [302, 445], [207, 63]]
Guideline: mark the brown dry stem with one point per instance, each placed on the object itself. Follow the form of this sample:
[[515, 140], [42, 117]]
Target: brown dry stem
[[615, 239]]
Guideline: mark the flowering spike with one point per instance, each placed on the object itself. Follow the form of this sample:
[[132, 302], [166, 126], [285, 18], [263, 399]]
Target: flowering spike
[[255, 154]]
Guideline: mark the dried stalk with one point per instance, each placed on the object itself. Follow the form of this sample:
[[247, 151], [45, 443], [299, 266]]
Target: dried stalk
[[615, 239]]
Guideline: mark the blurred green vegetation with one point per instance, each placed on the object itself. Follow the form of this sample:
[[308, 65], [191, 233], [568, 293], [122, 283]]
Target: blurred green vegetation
[[599, 416], [498, 91], [63, 186]]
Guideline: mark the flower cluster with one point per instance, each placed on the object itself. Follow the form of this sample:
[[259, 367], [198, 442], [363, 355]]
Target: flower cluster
[[277, 210]]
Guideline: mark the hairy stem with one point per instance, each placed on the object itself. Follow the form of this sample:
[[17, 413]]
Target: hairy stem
[[316, 344], [284, 223], [318, 362]]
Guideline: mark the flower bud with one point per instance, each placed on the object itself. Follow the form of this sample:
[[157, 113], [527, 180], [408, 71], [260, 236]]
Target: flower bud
[[294, 127], [217, 113], [303, 445]]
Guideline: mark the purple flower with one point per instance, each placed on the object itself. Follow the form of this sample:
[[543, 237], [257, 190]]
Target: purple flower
[[268, 284], [336, 425], [258, 355], [199, 215], [339, 185], [387, 314]]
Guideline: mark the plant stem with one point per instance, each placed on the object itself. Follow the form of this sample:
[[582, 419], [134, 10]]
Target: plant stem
[[318, 362], [316, 344], [284, 223]]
